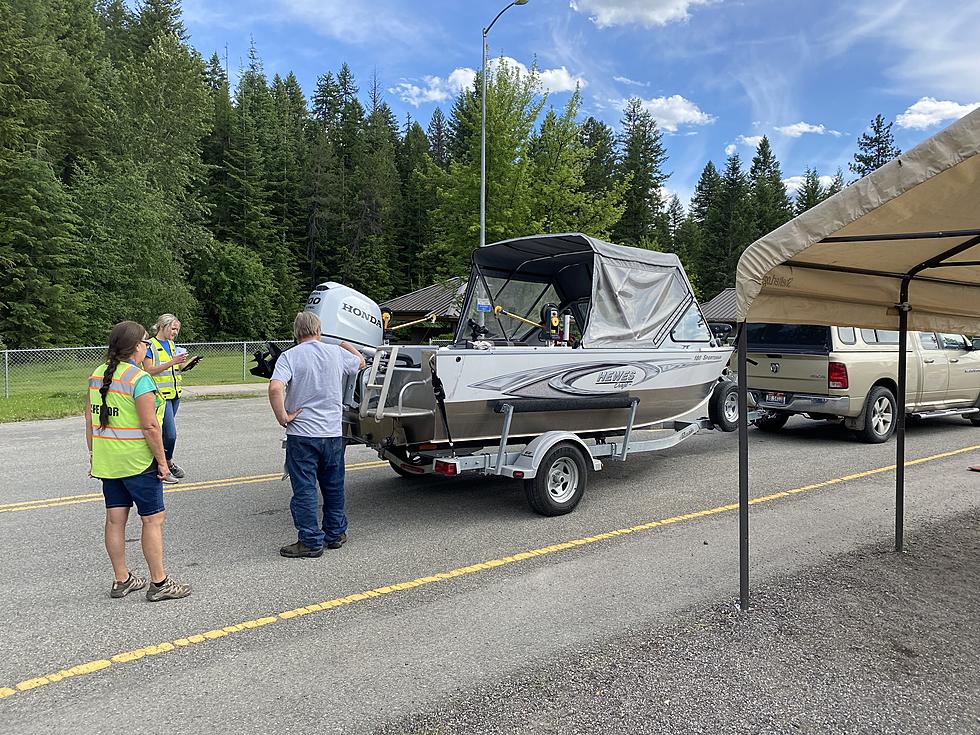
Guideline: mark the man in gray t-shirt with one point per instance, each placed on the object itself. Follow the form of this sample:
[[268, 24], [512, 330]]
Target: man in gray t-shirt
[[306, 393]]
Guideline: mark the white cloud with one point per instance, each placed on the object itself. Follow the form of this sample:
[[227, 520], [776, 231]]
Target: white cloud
[[436, 89], [439, 89], [730, 149], [794, 183], [674, 111], [797, 129], [630, 82], [929, 111], [929, 49], [750, 140], [649, 13]]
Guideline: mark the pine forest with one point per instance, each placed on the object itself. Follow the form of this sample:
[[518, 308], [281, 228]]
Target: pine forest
[[138, 177]]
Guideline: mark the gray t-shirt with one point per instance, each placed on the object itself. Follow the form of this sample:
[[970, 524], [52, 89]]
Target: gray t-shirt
[[314, 376]]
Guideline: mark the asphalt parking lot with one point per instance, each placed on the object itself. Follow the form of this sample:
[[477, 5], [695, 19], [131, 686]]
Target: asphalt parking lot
[[444, 586]]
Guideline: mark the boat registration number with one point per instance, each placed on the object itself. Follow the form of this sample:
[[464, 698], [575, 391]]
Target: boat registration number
[[778, 399]]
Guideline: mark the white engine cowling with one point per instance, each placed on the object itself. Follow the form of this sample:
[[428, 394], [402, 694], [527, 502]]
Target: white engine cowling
[[346, 315]]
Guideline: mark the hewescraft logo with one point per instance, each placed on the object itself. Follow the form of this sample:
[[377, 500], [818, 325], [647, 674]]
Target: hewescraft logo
[[618, 378], [363, 314]]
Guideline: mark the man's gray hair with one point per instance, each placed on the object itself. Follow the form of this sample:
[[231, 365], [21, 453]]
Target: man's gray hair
[[306, 324]]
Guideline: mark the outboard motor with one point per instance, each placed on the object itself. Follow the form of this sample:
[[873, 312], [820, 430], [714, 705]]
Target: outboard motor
[[345, 315]]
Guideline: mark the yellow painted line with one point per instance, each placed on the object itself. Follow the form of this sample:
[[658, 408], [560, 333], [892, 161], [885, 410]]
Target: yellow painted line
[[182, 488], [125, 657]]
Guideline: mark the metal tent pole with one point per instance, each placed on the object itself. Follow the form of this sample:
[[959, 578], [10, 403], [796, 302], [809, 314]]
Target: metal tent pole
[[743, 470], [903, 340]]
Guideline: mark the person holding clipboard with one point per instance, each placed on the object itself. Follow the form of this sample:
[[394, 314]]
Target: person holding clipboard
[[165, 362]]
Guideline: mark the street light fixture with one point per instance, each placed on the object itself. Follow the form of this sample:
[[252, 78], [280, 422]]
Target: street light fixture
[[483, 128]]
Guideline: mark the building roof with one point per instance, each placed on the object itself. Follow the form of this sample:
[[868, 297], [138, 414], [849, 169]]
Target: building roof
[[442, 299], [722, 308]]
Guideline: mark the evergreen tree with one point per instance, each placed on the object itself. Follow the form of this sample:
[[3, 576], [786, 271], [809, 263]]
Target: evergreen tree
[[216, 151], [559, 160], [876, 147], [810, 193], [726, 230], [836, 185], [157, 18], [675, 218], [705, 193], [771, 206], [514, 103], [326, 101], [438, 136], [641, 160], [418, 199], [600, 142], [463, 126], [38, 255]]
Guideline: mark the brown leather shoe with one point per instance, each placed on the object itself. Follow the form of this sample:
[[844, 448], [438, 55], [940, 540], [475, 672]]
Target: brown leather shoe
[[298, 550]]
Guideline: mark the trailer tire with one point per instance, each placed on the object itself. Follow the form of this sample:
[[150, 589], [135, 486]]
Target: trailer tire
[[723, 406], [560, 481]]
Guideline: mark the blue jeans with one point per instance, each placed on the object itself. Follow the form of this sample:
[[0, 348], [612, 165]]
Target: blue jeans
[[308, 460], [170, 427]]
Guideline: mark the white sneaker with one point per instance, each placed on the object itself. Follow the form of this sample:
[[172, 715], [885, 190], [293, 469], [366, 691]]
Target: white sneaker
[[170, 480]]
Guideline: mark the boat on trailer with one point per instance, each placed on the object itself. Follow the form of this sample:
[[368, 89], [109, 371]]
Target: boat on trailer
[[565, 345]]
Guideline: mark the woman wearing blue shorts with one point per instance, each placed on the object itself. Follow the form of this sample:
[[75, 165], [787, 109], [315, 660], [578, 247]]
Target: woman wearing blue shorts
[[126, 452]]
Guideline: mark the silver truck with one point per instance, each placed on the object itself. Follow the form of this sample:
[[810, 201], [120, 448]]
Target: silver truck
[[851, 375]]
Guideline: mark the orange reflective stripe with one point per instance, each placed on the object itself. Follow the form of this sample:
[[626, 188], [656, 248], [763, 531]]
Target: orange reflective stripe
[[116, 386], [130, 374]]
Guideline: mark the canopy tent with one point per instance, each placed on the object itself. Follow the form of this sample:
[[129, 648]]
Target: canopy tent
[[899, 249]]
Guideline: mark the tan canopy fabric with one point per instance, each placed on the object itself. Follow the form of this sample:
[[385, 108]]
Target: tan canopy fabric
[[822, 267]]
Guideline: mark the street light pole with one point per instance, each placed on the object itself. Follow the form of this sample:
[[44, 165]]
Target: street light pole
[[483, 127]]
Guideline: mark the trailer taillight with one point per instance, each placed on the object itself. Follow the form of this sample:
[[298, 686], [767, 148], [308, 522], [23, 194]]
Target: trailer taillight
[[837, 375], [445, 468]]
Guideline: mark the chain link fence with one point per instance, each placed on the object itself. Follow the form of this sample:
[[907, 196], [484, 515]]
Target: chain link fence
[[60, 369]]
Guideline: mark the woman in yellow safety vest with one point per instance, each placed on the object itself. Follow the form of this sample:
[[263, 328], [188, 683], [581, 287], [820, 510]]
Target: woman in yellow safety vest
[[122, 426], [163, 363]]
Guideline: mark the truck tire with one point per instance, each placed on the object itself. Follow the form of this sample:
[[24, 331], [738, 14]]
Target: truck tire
[[723, 406], [560, 481], [880, 416], [772, 422]]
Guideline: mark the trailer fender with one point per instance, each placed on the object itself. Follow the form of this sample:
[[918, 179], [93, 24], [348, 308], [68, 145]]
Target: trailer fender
[[530, 459]]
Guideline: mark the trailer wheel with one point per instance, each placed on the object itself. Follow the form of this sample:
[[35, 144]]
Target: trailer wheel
[[559, 483], [723, 406]]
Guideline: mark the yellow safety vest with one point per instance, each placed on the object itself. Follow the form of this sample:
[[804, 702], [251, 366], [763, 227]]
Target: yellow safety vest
[[168, 381], [120, 449]]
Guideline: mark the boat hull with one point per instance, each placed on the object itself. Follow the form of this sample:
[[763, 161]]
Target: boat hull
[[667, 384]]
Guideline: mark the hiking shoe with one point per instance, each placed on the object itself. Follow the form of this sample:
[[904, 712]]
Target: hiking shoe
[[176, 471], [167, 590], [170, 479], [337, 542], [299, 549], [132, 583]]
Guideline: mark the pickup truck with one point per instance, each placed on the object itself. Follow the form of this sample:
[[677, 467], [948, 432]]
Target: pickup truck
[[851, 375]]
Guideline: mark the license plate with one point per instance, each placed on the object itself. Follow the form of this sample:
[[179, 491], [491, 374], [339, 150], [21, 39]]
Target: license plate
[[778, 399]]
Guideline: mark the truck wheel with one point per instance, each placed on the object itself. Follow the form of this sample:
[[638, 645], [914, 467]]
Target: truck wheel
[[559, 483], [772, 422], [723, 406], [880, 416]]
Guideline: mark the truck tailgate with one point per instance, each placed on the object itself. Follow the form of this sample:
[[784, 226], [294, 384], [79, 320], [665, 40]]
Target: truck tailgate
[[790, 373]]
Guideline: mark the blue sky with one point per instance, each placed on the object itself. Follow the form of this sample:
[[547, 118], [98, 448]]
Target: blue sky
[[715, 73]]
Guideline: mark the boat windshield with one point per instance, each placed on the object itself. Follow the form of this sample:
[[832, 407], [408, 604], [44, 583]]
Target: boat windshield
[[514, 298]]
